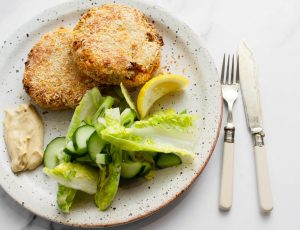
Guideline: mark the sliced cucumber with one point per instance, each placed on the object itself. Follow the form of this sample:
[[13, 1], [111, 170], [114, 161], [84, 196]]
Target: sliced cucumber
[[149, 156], [167, 160], [127, 117], [130, 170], [84, 159], [93, 164], [143, 156], [95, 145], [52, 152], [146, 168], [70, 148], [103, 159], [80, 138]]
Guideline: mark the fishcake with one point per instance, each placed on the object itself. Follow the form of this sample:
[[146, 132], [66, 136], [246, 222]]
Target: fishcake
[[51, 78], [116, 43]]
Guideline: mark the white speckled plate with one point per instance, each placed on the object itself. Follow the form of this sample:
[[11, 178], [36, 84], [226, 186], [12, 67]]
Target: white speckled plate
[[183, 54]]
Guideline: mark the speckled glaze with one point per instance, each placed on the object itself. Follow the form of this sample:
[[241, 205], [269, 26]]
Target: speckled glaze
[[182, 54]]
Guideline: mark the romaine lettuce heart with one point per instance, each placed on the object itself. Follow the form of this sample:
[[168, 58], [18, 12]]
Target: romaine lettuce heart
[[166, 132], [87, 107], [75, 176]]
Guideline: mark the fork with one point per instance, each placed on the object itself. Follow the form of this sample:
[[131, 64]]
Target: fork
[[230, 90]]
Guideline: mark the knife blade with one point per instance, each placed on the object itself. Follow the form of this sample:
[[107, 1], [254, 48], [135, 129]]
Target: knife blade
[[251, 99], [250, 90]]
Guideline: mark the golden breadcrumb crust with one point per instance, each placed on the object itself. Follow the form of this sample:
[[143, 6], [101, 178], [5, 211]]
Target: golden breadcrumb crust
[[51, 78], [116, 43]]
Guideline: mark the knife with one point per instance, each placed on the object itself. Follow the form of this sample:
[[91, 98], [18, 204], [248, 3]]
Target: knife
[[250, 91]]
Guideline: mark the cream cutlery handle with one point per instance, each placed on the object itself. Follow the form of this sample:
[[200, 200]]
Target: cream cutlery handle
[[263, 179], [227, 177]]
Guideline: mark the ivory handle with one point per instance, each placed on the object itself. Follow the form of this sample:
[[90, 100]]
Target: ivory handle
[[263, 179], [227, 177]]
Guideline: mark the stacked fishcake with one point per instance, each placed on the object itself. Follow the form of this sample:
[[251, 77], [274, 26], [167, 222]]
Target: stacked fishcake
[[109, 45]]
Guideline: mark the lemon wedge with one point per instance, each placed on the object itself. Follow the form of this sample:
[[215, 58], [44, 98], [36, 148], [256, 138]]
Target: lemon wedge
[[156, 88]]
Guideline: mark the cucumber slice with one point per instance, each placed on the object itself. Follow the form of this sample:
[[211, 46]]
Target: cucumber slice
[[130, 170], [143, 156], [127, 117], [70, 149], [146, 168], [52, 152], [103, 159], [149, 156], [84, 159], [80, 138], [167, 160], [95, 145]]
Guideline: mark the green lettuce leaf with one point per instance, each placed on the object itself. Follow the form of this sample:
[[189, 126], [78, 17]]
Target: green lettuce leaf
[[128, 99], [109, 177], [75, 176], [87, 107], [166, 132], [85, 111], [65, 197], [112, 117], [106, 104]]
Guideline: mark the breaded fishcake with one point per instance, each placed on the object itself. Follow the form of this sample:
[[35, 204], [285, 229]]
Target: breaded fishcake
[[51, 78], [116, 43]]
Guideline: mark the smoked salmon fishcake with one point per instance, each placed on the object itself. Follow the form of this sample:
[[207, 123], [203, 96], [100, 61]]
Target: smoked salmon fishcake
[[51, 78], [116, 43]]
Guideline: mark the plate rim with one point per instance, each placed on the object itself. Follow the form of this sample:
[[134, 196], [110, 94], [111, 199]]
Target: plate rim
[[197, 174]]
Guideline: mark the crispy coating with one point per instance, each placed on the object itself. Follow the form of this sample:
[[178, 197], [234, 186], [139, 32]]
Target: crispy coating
[[116, 43], [51, 78]]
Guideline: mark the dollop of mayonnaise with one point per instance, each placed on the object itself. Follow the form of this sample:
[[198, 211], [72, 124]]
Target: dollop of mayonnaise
[[24, 137]]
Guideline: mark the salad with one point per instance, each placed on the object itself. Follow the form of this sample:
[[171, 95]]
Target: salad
[[106, 142]]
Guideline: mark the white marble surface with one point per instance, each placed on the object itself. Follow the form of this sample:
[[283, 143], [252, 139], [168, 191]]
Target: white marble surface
[[272, 29]]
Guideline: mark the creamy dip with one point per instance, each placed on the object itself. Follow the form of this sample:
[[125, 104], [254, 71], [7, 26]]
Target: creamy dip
[[24, 137]]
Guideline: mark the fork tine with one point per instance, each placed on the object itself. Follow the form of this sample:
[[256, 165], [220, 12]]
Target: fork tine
[[227, 72], [223, 70], [232, 71], [238, 70]]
